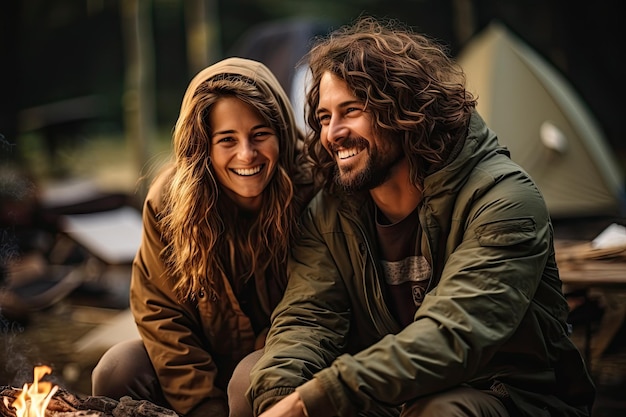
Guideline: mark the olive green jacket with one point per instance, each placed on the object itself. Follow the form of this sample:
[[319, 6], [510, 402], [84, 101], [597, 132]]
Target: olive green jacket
[[494, 316]]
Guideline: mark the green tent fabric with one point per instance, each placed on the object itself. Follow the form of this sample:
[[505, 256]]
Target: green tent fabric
[[550, 132]]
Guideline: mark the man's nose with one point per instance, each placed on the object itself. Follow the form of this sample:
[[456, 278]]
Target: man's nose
[[337, 130]]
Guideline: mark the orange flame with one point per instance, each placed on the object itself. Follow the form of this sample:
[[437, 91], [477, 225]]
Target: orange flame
[[34, 399]]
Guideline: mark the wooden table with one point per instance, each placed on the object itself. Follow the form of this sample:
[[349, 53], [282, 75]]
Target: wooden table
[[587, 269]]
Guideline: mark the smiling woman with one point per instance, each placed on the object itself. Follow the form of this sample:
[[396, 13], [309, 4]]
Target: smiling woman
[[217, 225], [244, 151]]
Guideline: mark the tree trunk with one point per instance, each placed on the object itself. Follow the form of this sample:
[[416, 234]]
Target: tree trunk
[[202, 28], [138, 100]]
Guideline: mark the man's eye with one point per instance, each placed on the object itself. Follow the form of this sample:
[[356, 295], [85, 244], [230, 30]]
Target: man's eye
[[324, 119]]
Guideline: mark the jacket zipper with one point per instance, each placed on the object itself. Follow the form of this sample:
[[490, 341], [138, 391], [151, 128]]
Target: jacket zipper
[[380, 326], [426, 231]]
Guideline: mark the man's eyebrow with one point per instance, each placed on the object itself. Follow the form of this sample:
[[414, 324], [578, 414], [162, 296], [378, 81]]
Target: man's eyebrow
[[342, 105]]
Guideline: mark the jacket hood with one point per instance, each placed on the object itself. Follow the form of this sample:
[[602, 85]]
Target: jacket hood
[[267, 82], [252, 69], [480, 142]]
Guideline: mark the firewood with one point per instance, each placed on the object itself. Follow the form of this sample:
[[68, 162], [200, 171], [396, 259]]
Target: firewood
[[65, 404]]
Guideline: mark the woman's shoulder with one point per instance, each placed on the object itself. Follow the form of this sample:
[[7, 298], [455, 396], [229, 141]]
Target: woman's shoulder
[[159, 186]]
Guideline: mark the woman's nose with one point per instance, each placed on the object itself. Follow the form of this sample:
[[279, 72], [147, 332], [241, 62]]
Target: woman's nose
[[247, 151]]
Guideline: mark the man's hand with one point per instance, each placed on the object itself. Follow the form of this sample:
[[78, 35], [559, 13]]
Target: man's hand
[[290, 406]]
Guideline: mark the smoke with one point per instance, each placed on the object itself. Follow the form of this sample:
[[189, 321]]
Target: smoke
[[15, 365], [14, 188]]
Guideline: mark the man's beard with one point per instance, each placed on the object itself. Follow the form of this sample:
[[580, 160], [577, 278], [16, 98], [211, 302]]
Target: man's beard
[[376, 172]]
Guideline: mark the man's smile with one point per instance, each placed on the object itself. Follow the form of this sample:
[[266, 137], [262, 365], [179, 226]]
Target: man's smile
[[347, 153]]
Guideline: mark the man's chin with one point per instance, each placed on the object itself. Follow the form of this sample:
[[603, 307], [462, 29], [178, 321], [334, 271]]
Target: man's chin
[[352, 181]]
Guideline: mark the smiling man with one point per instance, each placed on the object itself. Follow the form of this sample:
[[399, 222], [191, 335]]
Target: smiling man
[[424, 282], [364, 161]]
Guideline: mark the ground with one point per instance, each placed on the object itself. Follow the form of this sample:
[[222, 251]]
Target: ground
[[50, 338]]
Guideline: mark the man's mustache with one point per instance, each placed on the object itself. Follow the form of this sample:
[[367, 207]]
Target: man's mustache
[[347, 143]]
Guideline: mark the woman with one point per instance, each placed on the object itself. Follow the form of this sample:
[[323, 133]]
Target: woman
[[217, 228]]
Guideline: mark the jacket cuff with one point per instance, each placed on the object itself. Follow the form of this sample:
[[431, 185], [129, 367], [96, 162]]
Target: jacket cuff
[[316, 402], [265, 401]]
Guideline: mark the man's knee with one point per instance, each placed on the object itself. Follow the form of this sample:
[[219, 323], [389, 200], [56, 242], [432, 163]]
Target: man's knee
[[458, 402]]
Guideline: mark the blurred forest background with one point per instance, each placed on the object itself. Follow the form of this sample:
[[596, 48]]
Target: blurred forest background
[[90, 91], [76, 73]]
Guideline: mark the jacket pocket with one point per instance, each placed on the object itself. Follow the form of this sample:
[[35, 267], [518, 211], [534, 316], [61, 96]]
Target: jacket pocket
[[507, 232]]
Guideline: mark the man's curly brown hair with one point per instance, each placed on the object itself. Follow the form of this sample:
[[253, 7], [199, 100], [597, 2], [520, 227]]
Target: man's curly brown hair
[[413, 89]]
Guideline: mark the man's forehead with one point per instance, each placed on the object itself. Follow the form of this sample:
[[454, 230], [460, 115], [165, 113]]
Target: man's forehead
[[334, 91]]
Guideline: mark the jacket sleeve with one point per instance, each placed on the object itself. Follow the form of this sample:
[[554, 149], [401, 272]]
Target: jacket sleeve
[[304, 344], [170, 330]]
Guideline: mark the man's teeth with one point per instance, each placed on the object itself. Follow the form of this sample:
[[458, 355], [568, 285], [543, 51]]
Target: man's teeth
[[248, 171], [347, 153]]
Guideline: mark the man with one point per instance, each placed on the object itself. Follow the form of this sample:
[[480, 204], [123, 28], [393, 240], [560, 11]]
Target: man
[[425, 281]]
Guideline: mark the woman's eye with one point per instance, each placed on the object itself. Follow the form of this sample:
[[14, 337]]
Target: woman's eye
[[225, 139]]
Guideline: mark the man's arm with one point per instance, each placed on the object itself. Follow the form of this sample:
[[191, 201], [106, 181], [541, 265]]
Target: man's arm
[[309, 326]]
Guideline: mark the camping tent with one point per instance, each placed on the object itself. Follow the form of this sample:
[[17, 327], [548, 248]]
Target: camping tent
[[280, 45], [548, 129]]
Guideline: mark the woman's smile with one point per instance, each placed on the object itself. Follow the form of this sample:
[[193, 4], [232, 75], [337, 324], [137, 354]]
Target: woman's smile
[[244, 151]]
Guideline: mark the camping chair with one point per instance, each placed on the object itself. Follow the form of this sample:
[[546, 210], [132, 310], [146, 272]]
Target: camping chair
[[100, 236]]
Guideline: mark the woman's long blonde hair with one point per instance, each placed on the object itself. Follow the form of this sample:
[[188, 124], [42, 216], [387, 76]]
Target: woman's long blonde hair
[[206, 239]]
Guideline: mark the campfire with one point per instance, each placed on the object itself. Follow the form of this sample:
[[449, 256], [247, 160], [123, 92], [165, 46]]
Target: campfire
[[43, 399], [33, 400]]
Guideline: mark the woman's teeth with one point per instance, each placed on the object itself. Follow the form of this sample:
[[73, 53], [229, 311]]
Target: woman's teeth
[[247, 171]]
